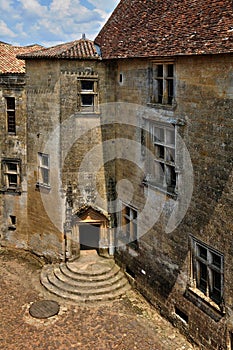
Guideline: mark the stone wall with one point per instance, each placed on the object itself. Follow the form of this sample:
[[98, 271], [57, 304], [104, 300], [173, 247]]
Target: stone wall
[[73, 139], [13, 146], [161, 267]]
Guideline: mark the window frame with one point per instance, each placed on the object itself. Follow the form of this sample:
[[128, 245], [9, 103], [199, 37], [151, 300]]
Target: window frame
[[43, 168], [10, 185], [163, 83], [10, 112], [165, 177], [129, 225], [86, 108], [206, 286]]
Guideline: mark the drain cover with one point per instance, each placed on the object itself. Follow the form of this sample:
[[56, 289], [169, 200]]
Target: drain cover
[[44, 309]]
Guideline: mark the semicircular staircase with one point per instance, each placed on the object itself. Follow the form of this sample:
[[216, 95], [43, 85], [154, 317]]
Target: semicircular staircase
[[87, 279]]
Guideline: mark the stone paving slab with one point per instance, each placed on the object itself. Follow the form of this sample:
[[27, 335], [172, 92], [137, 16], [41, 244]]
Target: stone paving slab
[[126, 324]]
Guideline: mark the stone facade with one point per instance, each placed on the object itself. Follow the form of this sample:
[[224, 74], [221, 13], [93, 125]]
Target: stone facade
[[162, 265], [145, 158], [13, 151]]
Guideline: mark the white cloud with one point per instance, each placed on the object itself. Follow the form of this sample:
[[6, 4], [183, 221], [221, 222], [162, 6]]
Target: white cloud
[[33, 7], [5, 30], [30, 21], [106, 5], [6, 5], [60, 7]]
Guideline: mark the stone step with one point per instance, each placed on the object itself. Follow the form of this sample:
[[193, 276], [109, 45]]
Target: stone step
[[79, 276], [97, 267], [110, 280], [85, 298], [92, 290]]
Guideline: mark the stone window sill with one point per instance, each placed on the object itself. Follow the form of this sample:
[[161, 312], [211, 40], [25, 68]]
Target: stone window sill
[[162, 106], [203, 302], [11, 190], [41, 186], [154, 187]]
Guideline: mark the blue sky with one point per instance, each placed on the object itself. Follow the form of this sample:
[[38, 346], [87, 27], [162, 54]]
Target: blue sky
[[51, 22]]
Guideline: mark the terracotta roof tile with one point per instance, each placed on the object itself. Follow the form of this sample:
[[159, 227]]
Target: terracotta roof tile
[[9, 63], [148, 28], [78, 49]]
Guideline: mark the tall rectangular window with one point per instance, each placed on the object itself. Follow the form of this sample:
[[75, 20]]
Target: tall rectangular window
[[163, 140], [207, 271], [11, 174], [10, 109], [43, 169], [163, 83], [88, 95], [129, 226]]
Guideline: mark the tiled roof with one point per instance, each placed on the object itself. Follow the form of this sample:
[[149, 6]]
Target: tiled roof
[[9, 63], [148, 28], [78, 49]]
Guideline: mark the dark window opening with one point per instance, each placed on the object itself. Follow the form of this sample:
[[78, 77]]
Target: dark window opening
[[170, 89], [181, 314], [87, 85], [160, 152], [13, 219], [171, 178], [87, 100], [129, 272], [208, 271], [170, 70], [160, 71], [163, 84], [11, 127], [160, 91]]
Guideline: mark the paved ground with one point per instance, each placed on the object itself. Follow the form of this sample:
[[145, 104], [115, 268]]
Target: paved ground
[[126, 324]]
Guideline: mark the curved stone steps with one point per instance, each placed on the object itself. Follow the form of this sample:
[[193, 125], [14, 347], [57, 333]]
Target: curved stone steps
[[84, 291], [110, 279], [88, 298], [91, 268], [89, 279], [83, 277]]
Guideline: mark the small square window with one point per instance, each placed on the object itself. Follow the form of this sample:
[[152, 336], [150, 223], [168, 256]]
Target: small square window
[[87, 101]]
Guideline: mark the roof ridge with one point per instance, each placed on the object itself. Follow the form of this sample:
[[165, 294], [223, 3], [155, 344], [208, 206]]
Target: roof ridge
[[76, 49]]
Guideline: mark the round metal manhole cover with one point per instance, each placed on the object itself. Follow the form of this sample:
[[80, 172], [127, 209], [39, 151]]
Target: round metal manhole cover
[[44, 309]]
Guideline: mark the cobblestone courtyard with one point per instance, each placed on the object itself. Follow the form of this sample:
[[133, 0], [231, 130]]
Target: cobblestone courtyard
[[126, 324]]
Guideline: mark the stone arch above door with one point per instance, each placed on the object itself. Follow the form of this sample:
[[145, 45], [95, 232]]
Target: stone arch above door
[[90, 214]]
